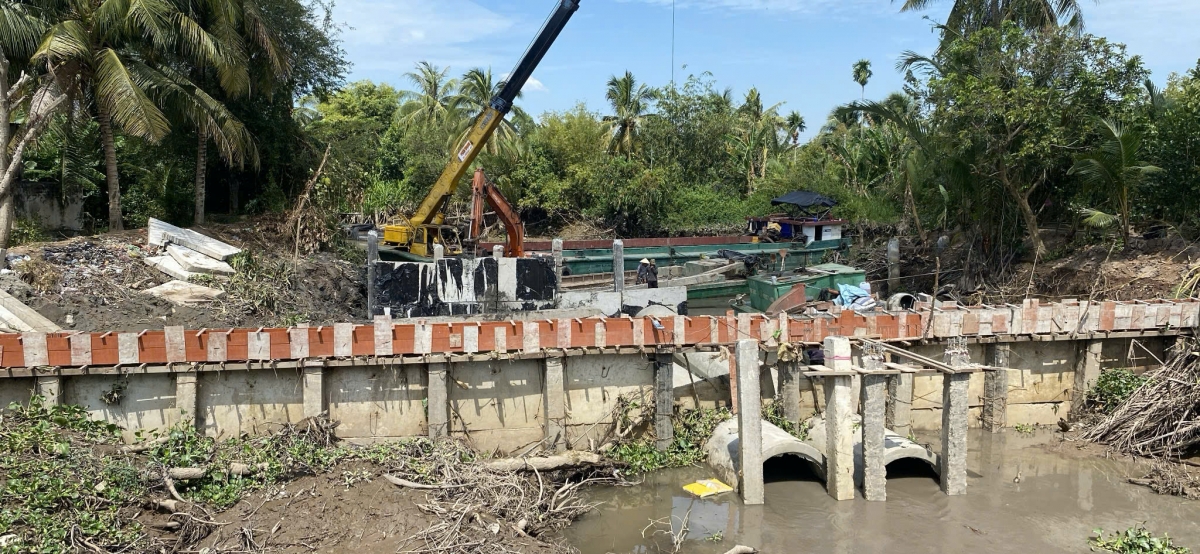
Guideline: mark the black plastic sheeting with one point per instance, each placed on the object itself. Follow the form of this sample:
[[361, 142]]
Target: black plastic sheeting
[[735, 256], [410, 289], [805, 199]]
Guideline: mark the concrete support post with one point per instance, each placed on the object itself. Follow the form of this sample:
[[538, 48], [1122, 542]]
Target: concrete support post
[[750, 423], [1087, 371], [893, 260], [839, 440], [618, 265], [372, 258], [789, 390], [556, 249], [995, 389], [49, 387], [314, 388], [954, 424], [439, 252], [186, 394], [664, 400], [899, 407], [556, 405], [439, 401], [498, 252], [874, 395]]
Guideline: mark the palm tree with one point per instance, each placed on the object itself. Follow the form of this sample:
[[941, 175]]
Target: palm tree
[[756, 136], [475, 93], [1115, 168], [795, 125], [121, 53], [968, 16], [863, 74], [251, 38], [630, 102], [434, 102]]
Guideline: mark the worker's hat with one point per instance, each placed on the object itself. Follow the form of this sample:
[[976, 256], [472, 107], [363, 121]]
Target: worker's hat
[[645, 261]]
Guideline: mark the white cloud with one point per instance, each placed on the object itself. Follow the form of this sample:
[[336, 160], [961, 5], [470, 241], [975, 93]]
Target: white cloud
[[385, 38], [532, 85], [535, 85]]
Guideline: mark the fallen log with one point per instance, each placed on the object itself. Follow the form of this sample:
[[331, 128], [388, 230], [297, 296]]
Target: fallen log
[[235, 469], [144, 446], [739, 549], [168, 505], [419, 486], [550, 463], [185, 473]]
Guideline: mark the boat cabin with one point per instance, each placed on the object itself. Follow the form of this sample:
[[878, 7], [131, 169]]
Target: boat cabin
[[809, 222]]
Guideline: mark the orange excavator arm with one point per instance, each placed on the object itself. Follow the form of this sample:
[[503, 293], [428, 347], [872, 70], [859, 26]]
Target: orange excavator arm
[[484, 190]]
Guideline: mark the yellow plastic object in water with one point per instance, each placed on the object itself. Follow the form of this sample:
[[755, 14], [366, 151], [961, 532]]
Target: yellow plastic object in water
[[705, 488]]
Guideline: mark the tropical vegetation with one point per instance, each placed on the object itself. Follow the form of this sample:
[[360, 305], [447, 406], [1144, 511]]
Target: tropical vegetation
[[1018, 120]]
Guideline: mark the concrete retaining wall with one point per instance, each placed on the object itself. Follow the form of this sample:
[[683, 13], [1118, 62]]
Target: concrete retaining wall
[[1041, 378], [507, 403]]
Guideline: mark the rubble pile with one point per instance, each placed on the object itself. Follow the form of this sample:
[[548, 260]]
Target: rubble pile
[[89, 265], [166, 275]]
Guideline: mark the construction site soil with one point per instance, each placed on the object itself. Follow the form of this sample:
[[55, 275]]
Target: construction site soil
[[98, 283], [323, 513], [1166, 267]]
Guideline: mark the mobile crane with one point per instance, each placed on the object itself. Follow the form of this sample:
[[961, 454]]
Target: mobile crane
[[426, 226]]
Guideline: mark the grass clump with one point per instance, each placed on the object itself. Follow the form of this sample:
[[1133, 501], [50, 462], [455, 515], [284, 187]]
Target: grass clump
[[692, 429], [60, 491], [306, 448], [39, 274], [773, 413], [1135, 540], [1113, 388]]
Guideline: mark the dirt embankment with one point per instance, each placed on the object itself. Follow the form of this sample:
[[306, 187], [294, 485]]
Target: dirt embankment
[[1166, 267], [350, 508], [97, 283]]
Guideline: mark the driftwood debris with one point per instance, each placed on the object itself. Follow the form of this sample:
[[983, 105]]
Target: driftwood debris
[[1158, 419], [235, 469], [418, 486], [739, 549], [550, 463]]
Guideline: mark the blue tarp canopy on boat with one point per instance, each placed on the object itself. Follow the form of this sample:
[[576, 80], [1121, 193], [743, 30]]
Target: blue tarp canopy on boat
[[804, 200]]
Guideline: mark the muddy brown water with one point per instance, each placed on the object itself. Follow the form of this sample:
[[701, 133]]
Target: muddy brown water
[[1063, 494]]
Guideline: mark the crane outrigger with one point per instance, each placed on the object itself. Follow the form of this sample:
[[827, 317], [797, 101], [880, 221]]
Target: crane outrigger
[[426, 226]]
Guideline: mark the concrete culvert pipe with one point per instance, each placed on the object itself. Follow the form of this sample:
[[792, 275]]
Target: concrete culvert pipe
[[901, 302]]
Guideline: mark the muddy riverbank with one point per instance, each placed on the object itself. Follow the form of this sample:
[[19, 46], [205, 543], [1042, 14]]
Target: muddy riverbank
[[1062, 495]]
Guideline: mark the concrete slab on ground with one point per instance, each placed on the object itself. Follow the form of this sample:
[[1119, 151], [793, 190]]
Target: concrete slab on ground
[[15, 315], [182, 292], [168, 265], [159, 233], [196, 262]]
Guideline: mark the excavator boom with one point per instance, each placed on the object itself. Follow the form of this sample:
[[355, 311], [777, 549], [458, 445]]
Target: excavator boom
[[483, 190], [423, 229]]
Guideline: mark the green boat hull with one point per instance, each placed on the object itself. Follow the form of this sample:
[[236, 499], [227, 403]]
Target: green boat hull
[[723, 289], [765, 289], [599, 260]]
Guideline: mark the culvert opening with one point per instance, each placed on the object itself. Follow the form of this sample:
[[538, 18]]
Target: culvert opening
[[790, 467], [911, 468]]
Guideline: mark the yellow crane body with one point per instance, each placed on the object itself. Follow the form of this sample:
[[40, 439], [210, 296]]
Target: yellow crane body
[[427, 226], [424, 228]]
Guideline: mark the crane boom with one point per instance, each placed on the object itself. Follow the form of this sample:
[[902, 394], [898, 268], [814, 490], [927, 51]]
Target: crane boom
[[421, 232]]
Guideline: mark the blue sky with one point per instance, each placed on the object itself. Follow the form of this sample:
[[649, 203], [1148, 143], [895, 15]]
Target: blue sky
[[795, 51]]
